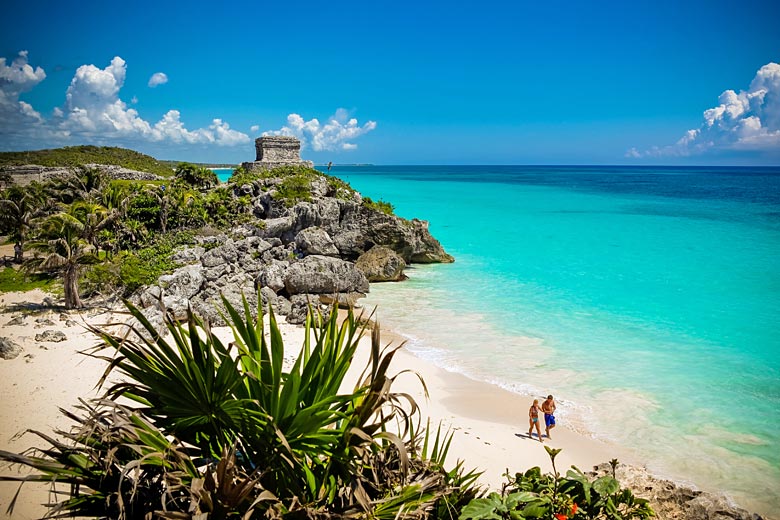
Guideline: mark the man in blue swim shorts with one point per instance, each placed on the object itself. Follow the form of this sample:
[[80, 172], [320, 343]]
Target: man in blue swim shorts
[[548, 407]]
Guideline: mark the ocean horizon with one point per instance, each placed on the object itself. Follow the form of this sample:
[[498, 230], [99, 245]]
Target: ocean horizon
[[646, 299]]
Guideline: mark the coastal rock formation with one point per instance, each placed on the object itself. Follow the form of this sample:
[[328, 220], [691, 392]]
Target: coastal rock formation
[[274, 151], [9, 349], [322, 274], [381, 264], [673, 501], [294, 253]]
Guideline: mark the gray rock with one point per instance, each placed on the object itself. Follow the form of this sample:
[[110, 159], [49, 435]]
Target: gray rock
[[189, 255], [278, 227], [19, 320], [9, 349], [315, 241], [226, 253], [64, 316], [70, 323], [272, 276], [54, 336], [671, 500], [150, 295], [323, 274], [184, 282], [344, 300], [381, 264], [44, 322], [301, 304]]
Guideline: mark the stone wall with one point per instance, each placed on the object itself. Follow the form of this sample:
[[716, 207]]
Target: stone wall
[[274, 151]]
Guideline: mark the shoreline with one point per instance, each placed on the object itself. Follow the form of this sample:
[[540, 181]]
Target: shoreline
[[489, 423]]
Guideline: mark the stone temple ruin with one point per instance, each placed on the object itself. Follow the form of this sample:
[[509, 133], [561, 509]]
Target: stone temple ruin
[[277, 150]]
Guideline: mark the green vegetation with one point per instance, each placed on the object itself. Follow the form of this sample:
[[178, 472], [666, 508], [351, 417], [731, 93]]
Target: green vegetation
[[16, 280], [73, 156], [379, 205], [126, 271], [551, 496], [225, 431], [195, 176]]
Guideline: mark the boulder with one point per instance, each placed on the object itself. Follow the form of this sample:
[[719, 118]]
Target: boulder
[[19, 320], [272, 276], [44, 322], [345, 300], [9, 349], [317, 274], [188, 255], [184, 282], [381, 264], [300, 304], [362, 227], [54, 336], [315, 241]]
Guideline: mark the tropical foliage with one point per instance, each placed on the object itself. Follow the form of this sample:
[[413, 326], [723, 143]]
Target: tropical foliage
[[229, 430], [552, 496], [73, 156]]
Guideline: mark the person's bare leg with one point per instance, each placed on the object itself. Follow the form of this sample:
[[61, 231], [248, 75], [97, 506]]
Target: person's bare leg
[[530, 427], [539, 432]]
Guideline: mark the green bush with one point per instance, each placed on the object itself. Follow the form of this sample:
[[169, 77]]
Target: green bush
[[380, 205], [15, 280], [553, 497], [294, 189]]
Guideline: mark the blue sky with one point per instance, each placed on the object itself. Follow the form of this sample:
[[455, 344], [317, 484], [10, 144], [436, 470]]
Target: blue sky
[[399, 82]]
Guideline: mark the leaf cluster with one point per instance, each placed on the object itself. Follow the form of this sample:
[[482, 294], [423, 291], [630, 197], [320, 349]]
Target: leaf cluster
[[551, 496], [227, 430]]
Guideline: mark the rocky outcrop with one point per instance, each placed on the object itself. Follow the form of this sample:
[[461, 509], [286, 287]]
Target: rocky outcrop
[[315, 241], [289, 255], [9, 349], [381, 264], [322, 275], [673, 501]]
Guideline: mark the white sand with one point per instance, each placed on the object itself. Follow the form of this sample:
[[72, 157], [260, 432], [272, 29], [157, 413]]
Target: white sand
[[490, 424]]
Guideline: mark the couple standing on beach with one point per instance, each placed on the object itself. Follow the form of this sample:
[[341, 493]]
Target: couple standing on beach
[[548, 408]]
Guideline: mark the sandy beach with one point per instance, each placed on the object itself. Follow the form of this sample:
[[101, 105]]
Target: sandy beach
[[490, 425]]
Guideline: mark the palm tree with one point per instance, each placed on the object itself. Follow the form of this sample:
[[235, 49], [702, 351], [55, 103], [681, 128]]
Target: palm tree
[[83, 183], [18, 208], [61, 239]]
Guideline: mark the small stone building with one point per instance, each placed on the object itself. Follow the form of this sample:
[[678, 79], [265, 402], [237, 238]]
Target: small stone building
[[277, 150]]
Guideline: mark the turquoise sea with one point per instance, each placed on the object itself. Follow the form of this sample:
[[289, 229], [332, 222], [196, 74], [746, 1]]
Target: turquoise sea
[[647, 300]]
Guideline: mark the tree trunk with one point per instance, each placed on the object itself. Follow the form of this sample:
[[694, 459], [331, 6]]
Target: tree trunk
[[71, 282]]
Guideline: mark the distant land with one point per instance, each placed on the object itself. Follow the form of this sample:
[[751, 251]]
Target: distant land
[[72, 156]]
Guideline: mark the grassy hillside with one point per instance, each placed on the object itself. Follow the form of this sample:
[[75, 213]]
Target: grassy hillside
[[77, 155]]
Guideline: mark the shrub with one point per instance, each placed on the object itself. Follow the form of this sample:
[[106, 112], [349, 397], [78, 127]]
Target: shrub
[[380, 205], [551, 496], [217, 430]]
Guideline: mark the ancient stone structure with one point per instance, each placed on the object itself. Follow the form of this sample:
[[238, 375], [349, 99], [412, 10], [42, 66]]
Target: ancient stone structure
[[277, 150]]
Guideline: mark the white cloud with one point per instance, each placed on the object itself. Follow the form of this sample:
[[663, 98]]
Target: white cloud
[[333, 135], [744, 121], [94, 111], [158, 78], [15, 79], [254, 128]]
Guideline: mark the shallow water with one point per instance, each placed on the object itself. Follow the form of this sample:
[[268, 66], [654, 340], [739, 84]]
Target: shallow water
[[646, 300]]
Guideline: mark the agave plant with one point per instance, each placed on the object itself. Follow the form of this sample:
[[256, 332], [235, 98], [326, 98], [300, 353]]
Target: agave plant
[[271, 440]]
